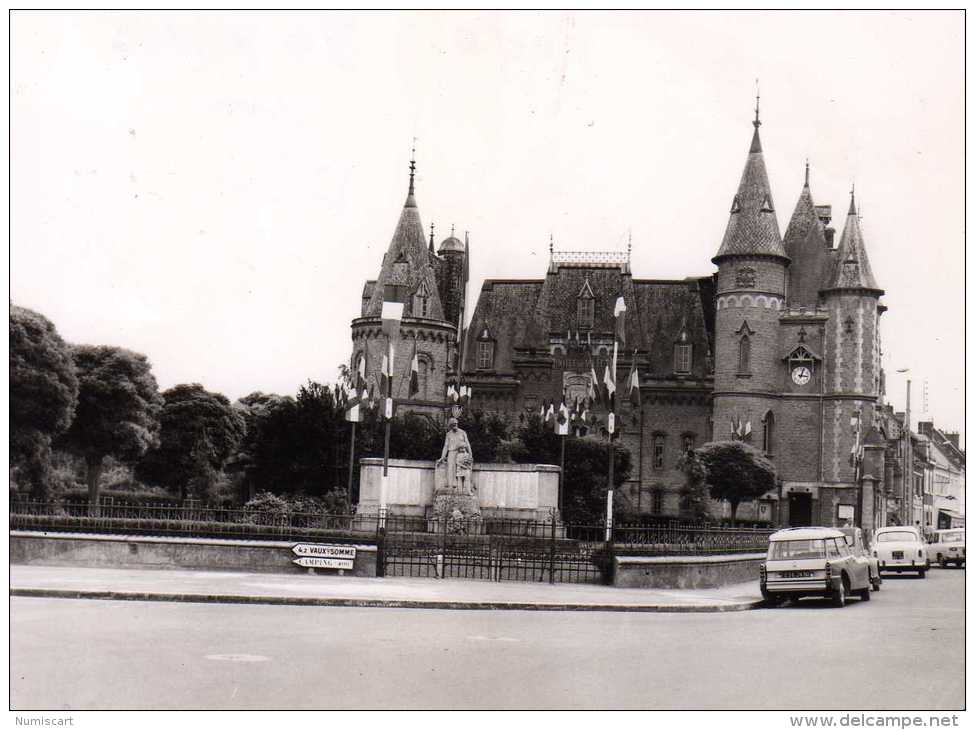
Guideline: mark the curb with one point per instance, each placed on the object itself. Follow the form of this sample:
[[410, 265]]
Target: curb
[[379, 602]]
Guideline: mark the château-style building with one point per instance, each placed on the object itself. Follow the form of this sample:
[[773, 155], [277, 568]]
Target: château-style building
[[780, 347]]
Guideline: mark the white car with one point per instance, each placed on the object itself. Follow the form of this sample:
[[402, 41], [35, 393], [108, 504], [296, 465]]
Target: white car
[[947, 546], [900, 548]]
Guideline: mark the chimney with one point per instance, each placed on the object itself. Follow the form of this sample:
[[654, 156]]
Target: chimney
[[953, 437], [925, 427], [829, 233]]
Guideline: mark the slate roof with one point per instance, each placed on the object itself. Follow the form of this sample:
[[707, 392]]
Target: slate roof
[[524, 314], [408, 244], [752, 226], [805, 245], [850, 268]]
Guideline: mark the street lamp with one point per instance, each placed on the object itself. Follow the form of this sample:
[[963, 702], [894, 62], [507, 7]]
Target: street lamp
[[907, 509]]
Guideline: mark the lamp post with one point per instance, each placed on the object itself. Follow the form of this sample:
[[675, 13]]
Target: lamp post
[[907, 508]]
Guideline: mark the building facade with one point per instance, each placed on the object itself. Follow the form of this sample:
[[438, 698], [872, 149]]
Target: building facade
[[779, 346]]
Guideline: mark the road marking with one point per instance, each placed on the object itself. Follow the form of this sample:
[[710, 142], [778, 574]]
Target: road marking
[[492, 638], [237, 658]]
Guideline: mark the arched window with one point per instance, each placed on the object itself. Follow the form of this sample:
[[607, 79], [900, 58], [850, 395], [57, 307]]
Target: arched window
[[768, 432], [657, 454], [585, 307], [687, 442], [744, 354], [424, 378]]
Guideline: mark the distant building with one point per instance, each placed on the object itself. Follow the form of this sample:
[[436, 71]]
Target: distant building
[[946, 479]]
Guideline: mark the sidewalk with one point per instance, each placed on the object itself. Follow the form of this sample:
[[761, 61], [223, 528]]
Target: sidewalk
[[329, 590]]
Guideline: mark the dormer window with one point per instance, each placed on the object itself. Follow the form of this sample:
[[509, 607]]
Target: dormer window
[[683, 351], [421, 300], [485, 351], [585, 307]]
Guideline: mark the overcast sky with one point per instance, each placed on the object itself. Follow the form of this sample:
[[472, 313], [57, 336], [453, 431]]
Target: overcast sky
[[212, 189]]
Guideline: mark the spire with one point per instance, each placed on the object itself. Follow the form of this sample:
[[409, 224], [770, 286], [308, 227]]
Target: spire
[[853, 202], [752, 228], [431, 236], [410, 200], [805, 245], [851, 267], [807, 173]]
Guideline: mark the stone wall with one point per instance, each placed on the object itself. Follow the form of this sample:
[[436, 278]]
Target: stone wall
[[710, 571]]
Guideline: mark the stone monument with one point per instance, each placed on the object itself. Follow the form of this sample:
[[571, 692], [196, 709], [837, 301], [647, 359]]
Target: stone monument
[[455, 494]]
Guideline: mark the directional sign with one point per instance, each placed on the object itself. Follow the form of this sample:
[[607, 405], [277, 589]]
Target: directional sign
[[345, 552], [323, 563]]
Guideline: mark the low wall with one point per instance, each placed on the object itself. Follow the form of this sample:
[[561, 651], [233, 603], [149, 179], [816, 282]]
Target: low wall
[[505, 491], [120, 551], [705, 571]]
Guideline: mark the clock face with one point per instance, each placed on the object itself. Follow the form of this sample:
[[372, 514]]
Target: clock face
[[801, 375]]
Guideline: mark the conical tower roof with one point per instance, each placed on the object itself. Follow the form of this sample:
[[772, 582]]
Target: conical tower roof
[[851, 267], [407, 262], [804, 218], [752, 228]]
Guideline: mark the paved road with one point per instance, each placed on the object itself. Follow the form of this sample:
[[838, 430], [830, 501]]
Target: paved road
[[89, 654]]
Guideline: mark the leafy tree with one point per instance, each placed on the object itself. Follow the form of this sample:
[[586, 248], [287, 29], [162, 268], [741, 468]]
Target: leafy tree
[[200, 431], [694, 494], [264, 442], [584, 483], [118, 410], [736, 472], [43, 396]]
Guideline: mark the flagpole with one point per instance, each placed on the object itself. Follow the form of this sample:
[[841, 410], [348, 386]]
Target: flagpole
[[612, 454], [561, 472], [352, 465], [389, 395]]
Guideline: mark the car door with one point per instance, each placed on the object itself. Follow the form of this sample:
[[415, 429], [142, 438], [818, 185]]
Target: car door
[[857, 569]]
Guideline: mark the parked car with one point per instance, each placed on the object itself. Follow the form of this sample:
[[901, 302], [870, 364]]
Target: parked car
[[899, 549], [812, 561], [947, 546], [854, 539]]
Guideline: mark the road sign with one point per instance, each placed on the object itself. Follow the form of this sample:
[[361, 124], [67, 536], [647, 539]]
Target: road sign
[[345, 552], [336, 563]]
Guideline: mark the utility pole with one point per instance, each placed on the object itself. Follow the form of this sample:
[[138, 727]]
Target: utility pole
[[907, 492]]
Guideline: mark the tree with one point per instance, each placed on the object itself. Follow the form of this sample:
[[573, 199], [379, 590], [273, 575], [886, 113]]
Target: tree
[[736, 472], [200, 430], [694, 494], [118, 410], [43, 395]]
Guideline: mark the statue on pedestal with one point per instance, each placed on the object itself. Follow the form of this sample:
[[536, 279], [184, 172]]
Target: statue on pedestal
[[455, 495]]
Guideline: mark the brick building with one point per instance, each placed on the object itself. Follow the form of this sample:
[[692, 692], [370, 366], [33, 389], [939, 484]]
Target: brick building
[[782, 339]]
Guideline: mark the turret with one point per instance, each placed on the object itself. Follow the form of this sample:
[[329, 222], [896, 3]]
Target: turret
[[751, 285]]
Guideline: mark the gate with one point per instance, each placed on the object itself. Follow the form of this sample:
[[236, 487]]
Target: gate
[[492, 550]]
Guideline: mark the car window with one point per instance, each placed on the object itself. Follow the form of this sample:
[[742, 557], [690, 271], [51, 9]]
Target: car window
[[795, 549], [844, 548], [832, 549], [897, 536], [953, 537]]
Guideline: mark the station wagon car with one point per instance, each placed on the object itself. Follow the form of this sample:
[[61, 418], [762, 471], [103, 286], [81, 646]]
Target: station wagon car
[[812, 561], [854, 538], [899, 549], [947, 546]]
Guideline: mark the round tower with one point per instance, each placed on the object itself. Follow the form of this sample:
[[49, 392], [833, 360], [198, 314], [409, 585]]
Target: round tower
[[750, 295], [852, 351]]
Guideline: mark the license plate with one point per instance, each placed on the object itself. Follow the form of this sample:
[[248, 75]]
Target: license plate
[[952, 550], [796, 574], [898, 555]]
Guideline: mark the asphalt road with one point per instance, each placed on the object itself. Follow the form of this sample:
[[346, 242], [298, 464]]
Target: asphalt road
[[91, 654]]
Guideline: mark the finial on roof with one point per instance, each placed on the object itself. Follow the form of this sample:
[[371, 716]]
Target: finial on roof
[[629, 244], [451, 230], [758, 122], [853, 205], [807, 173], [551, 244], [412, 164], [431, 236]]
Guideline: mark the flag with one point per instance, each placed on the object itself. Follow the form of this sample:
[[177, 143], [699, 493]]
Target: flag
[[550, 412], [634, 383], [541, 413], [856, 451], [394, 297], [465, 395], [610, 384], [593, 382], [361, 373], [748, 429], [563, 419], [384, 379], [414, 372], [620, 313], [735, 428]]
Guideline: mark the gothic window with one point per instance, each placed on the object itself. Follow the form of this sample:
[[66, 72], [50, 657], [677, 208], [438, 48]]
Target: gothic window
[[585, 312], [485, 354], [658, 451], [682, 358], [424, 378], [744, 355], [687, 442], [768, 432], [657, 501]]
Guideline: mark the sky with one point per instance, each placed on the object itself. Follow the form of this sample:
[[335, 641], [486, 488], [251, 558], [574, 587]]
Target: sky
[[212, 189]]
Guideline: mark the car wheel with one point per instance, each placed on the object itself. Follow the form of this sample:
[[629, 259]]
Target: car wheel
[[922, 573], [942, 562], [875, 583], [839, 597], [865, 594]]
